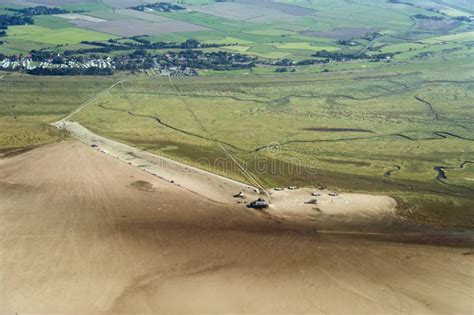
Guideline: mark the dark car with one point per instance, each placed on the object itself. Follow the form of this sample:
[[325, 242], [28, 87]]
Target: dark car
[[258, 204]]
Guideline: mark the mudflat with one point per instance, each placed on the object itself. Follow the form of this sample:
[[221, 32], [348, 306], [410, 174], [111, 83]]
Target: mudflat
[[82, 232]]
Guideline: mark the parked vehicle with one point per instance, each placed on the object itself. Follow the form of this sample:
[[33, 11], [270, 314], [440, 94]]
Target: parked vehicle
[[258, 204]]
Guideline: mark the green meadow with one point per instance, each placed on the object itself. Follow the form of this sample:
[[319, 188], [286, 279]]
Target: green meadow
[[29, 104], [61, 36]]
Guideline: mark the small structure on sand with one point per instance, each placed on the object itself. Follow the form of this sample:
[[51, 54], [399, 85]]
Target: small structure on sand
[[239, 195]]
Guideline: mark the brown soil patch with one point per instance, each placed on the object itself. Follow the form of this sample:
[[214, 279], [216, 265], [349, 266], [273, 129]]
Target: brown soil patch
[[142, 185]]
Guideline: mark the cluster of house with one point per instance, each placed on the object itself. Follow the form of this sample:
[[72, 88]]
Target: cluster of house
[[27, 63], [172, 72], [8, 64]]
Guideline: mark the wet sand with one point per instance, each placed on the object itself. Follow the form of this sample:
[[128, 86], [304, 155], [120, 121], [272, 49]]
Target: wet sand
[[78, 236]]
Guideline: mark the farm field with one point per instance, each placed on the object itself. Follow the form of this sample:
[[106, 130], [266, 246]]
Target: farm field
[[268, 30], [68, 35]]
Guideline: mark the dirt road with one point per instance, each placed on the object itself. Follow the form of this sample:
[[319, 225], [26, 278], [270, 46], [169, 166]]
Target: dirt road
[[81, 233]]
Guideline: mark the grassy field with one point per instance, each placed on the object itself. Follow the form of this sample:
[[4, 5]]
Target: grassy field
[[44, 35], [29, 104], [52, 22]]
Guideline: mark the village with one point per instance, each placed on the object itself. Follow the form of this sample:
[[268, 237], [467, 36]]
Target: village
[[59, 65], [22, 63]]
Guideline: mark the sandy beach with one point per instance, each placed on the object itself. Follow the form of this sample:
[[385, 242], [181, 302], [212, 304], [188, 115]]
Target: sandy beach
[[82, 233]]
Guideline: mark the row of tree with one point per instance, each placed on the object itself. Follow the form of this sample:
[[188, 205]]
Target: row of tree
[[39, 10], [139, 44], [70, 71], [340, 56], [16, 19]]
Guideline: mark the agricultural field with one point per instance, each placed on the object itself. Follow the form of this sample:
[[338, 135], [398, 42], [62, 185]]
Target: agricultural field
[[68, 35], [136, 27], [265, 29]]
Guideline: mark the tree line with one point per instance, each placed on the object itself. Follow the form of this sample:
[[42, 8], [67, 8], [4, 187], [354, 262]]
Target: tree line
[[39, 10], [70, 71], [114, 45]]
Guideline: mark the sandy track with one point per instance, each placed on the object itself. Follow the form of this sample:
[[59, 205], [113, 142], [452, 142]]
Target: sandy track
[[77, 237]]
